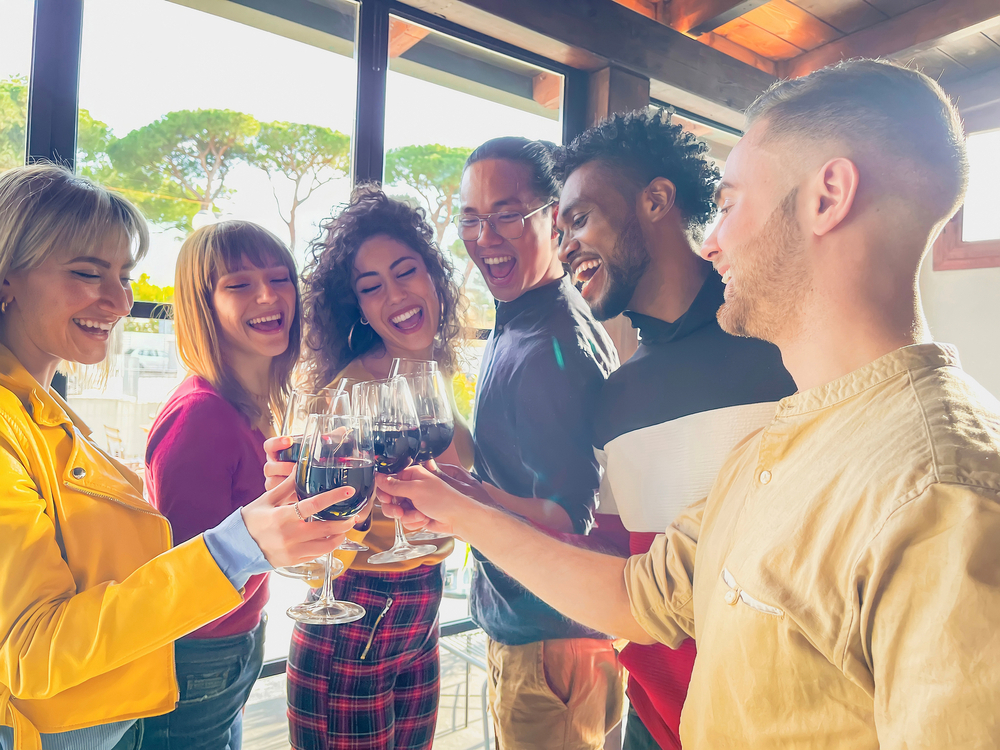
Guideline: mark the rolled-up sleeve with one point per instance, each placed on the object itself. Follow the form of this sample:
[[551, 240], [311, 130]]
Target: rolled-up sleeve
[[660, 583], [554, 399]]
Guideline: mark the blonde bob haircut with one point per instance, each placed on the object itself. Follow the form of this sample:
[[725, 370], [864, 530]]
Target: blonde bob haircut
[[206, 256], [44, 207]]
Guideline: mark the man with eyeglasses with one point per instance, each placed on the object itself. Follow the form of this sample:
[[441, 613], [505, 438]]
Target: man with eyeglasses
[[553, 682]]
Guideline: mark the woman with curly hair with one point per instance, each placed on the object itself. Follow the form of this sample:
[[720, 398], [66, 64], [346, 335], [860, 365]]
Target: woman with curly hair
[[377, 287]]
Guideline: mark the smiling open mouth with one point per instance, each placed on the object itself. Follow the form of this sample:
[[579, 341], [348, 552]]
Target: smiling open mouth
[[98, 328], [500, 267], [408, 320], [585, 272], [267, 323]]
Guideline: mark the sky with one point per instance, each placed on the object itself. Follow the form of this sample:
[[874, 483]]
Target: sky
[[144, 58]]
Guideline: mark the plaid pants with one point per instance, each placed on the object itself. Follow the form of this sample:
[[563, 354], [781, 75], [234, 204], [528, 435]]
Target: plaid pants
[[371, 684]]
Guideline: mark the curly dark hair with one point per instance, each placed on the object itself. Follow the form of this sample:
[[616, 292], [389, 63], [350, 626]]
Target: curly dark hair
[[646, 145], [330, 305]]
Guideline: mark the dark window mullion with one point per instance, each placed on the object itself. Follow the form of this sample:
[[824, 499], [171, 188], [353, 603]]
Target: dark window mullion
[[372, 54], [53, 88]]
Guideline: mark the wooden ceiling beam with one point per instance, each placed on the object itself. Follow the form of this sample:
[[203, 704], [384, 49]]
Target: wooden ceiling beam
[[919, 29], [698, 17], [403, 35], [575, 32]]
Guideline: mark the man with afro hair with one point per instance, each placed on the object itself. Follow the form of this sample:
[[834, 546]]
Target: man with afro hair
[[638, 194]]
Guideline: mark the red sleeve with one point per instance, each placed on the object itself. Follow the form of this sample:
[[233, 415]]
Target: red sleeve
[[191, 456]]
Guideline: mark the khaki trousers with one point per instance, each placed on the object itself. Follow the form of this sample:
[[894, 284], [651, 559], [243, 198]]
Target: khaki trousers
[[564, 694]]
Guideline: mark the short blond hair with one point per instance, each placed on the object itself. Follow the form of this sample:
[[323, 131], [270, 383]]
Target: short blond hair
[[206, 255], [46, 206]]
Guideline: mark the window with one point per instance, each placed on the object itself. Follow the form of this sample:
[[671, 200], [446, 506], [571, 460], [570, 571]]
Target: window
[[15, 65], [232, 113], [972, 238], [444, 97]]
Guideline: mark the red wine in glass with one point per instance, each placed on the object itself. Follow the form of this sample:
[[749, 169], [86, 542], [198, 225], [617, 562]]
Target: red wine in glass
[[435, 437], [334, 472], [395, 447], [291, 453]]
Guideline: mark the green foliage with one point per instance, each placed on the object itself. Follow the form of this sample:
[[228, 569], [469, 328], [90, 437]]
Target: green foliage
[[465, 393], [177, 165], [307, 155], [13, 120], [135, 325], [435, 173], [143, 291]]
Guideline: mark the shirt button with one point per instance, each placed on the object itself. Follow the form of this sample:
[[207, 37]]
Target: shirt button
[[731, 596], [79, 472], [765, 476]]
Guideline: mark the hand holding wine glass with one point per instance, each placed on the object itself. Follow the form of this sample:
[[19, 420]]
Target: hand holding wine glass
[[396, 441], [336, 453]]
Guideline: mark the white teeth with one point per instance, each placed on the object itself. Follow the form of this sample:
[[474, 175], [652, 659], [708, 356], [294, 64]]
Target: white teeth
[[405, 316], [586, 266], [727, 276], [94, 324], [497, 261], [265, 319]]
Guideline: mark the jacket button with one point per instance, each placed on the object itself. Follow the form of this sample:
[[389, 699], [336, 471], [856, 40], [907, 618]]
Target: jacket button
[[731, 596], [79, 472]]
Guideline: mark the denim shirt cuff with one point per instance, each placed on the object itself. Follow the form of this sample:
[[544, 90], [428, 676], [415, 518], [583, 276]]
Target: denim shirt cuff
[[235, 551]]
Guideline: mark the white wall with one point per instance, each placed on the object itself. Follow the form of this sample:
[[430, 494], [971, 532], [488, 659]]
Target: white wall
[[963, 308]]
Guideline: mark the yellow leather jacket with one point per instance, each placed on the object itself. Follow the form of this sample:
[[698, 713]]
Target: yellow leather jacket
[[92, 595]]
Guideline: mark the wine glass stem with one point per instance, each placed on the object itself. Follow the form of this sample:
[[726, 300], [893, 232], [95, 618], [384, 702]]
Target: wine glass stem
[[326, 595], [400, 536]]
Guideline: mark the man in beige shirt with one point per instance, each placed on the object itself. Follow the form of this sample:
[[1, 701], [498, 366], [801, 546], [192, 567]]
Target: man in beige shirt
[[842, 578]]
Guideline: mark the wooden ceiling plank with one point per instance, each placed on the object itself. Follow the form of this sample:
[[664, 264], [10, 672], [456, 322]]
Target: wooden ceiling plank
[[932, 62], [977, 52], [794, 25], [893, 8], [701, 16], [585, 30], [846, 16], [916, 30], [645, 7], [759, 40], [403, 35], [734, 50]]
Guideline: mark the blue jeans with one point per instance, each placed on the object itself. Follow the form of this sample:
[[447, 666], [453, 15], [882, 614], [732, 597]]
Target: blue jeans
[[215, 676]]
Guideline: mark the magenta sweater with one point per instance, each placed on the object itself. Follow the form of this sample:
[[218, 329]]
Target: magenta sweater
[[203, 461]]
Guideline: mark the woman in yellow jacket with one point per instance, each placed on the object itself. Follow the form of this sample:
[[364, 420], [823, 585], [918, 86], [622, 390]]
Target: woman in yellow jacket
[[92, 595]]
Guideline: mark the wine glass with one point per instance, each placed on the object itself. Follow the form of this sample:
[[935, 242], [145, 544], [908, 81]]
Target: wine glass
[[396, 440], [301, 403], [437, 425], [403, 366], [336, 452]]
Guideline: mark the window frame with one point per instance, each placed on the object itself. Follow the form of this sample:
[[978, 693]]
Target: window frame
[[53, 106]]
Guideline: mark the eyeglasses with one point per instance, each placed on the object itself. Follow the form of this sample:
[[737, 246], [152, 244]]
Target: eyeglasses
[[507, 224]]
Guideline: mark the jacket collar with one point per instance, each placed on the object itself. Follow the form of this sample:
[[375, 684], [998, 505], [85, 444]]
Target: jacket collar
[[906, 359], [46, 408]]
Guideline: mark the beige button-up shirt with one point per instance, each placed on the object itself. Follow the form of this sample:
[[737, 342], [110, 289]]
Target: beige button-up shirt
[[842, 579]]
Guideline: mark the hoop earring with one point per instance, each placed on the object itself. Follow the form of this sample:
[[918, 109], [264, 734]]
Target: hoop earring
[[350, 334], [364, 320]]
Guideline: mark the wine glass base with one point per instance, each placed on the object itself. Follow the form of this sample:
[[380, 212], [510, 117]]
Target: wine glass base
[[326, 613], [402, 553], [424, 536], [351, 546]]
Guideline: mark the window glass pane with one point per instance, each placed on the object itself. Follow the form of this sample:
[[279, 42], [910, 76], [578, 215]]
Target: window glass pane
[[444, 97], [217, 115], [15, 65], [197, 111], [981, 220]]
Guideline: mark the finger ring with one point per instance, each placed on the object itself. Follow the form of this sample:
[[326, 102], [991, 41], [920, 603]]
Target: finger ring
[[298, 512]]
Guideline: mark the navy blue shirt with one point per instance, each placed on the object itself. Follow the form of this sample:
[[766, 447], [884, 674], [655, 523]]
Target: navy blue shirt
[[544, 366]]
